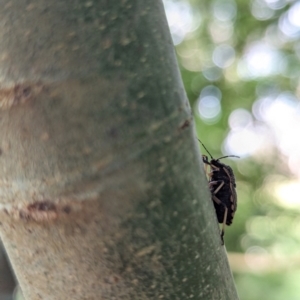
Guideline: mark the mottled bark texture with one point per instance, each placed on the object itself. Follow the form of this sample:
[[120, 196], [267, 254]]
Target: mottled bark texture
[[103, 194]]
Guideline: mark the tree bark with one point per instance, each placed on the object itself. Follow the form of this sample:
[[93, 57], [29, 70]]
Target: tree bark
[[7, 282], [103, 194]]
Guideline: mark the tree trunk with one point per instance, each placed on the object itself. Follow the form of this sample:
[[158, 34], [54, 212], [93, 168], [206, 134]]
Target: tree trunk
[[103, 194], [7, 282]]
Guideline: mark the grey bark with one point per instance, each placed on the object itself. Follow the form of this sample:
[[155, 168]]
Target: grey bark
[[103, 194], [7, 281]]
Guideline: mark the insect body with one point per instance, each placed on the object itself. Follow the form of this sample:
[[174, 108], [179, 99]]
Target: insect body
[[222, 187]]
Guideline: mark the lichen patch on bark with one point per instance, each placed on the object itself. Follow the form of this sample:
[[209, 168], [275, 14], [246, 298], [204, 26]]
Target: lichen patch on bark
[[18, 94], [41, 211]]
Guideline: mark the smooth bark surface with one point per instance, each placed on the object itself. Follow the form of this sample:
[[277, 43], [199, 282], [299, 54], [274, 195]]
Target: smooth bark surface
[[7, 282], [103, 194]]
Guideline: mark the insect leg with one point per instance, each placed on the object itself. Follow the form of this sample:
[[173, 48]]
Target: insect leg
[[205, 159], [214, 168], [214, 183], [206, 163], [224, 223], [218, 201]]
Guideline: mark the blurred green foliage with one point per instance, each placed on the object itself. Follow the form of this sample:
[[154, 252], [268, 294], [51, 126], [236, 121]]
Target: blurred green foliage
[[243, 56]]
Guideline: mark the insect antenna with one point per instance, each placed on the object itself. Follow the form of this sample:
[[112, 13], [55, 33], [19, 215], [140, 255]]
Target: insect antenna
[[228, 156], [206, 149]]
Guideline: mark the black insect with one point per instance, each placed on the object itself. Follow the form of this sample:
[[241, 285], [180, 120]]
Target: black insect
[[222, 187]]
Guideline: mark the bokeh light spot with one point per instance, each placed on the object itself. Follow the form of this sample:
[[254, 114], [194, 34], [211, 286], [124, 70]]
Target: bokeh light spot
[[224, 10], [240, 118], [223, 56], [261, 11], [181, 19], [260, 60], [289, 22], [208, 104], [288, 194], [244, 138], [212, 73]]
